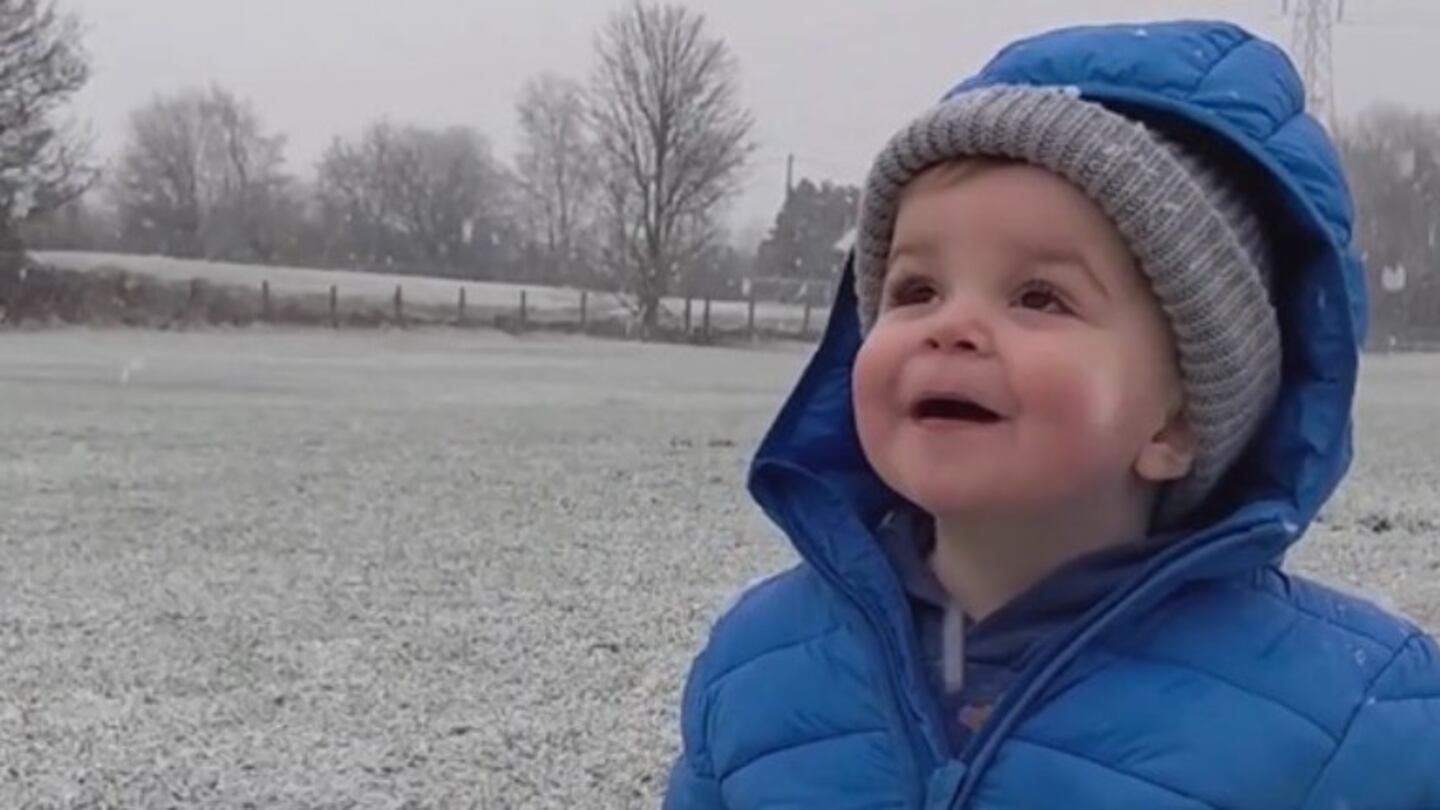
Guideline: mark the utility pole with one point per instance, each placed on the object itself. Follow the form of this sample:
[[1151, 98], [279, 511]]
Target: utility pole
[[1312, 42], [789, 175]]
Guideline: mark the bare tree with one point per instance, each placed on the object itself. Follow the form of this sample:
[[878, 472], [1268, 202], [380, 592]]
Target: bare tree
[[83, 223], [1392, 157], [200, 176], [444, 181], [251, 202], [675, 139], [353, 199], [158, 184], [426, 197], [558, 172], [43, 162]]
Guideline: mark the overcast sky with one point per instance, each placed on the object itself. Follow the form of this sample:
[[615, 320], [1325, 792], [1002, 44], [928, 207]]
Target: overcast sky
[[826, 79]]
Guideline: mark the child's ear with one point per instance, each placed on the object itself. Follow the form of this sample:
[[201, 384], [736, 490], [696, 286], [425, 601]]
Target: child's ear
[[1170, 453]]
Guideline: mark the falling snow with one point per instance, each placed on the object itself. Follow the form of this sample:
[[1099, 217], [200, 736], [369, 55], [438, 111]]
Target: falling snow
[[289, 568]]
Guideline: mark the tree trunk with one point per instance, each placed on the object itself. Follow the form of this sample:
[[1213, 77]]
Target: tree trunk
[[649, 316], [651, 289], [9, 236]]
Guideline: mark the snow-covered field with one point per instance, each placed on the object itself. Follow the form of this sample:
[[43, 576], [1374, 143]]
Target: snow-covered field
[[542, 303], [430, 569]]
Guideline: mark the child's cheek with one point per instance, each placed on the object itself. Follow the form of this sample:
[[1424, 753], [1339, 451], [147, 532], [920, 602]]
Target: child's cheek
[[878, 405], [868, 385], [1080, 410]]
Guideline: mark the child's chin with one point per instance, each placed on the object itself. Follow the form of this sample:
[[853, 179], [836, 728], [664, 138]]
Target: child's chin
[[953, 503], [986, 495]]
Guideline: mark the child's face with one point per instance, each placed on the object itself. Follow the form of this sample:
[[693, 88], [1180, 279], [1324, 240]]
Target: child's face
[[1008, 289]]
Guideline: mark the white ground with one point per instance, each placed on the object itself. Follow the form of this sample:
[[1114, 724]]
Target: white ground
[[429, 569], [379, 289]]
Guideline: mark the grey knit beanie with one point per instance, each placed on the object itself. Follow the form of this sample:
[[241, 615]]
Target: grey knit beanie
[[1191, 230]]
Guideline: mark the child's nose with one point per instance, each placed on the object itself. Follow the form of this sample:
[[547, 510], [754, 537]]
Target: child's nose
[[959, 328]]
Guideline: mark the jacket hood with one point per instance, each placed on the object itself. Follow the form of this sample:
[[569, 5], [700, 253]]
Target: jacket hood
[[1211, 80]]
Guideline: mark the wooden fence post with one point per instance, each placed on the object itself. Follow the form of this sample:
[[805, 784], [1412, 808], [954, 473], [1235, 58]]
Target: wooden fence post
[[460, 314], [705, 320], [750, 317], [584, 316], [194, 303], [524, 313], [399, 305], [334, 307], [687, 314]]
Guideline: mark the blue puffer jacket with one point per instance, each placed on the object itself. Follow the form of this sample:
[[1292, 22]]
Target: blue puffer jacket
[[1215, 680]]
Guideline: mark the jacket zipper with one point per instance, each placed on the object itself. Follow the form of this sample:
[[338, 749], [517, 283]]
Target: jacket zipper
[[1029, 686]]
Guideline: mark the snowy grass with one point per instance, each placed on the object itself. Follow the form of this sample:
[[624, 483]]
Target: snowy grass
[[429, 569], [378, 289]]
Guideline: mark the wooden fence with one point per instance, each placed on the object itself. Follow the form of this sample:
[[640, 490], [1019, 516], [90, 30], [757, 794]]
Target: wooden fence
[[696, 319], [118, 296]]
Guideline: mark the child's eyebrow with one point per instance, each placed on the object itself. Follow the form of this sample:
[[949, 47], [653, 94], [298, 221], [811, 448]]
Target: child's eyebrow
[[921, 250], [1070, 257], [924, 250]]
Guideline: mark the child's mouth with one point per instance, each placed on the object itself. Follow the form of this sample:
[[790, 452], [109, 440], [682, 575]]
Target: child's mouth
[[953, 411]]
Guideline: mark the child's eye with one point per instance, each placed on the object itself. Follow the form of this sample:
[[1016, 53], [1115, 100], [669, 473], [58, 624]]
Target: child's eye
[[1042, 296], [910, 291]]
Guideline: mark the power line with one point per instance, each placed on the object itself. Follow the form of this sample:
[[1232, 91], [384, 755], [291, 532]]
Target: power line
[[1313, 42]]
